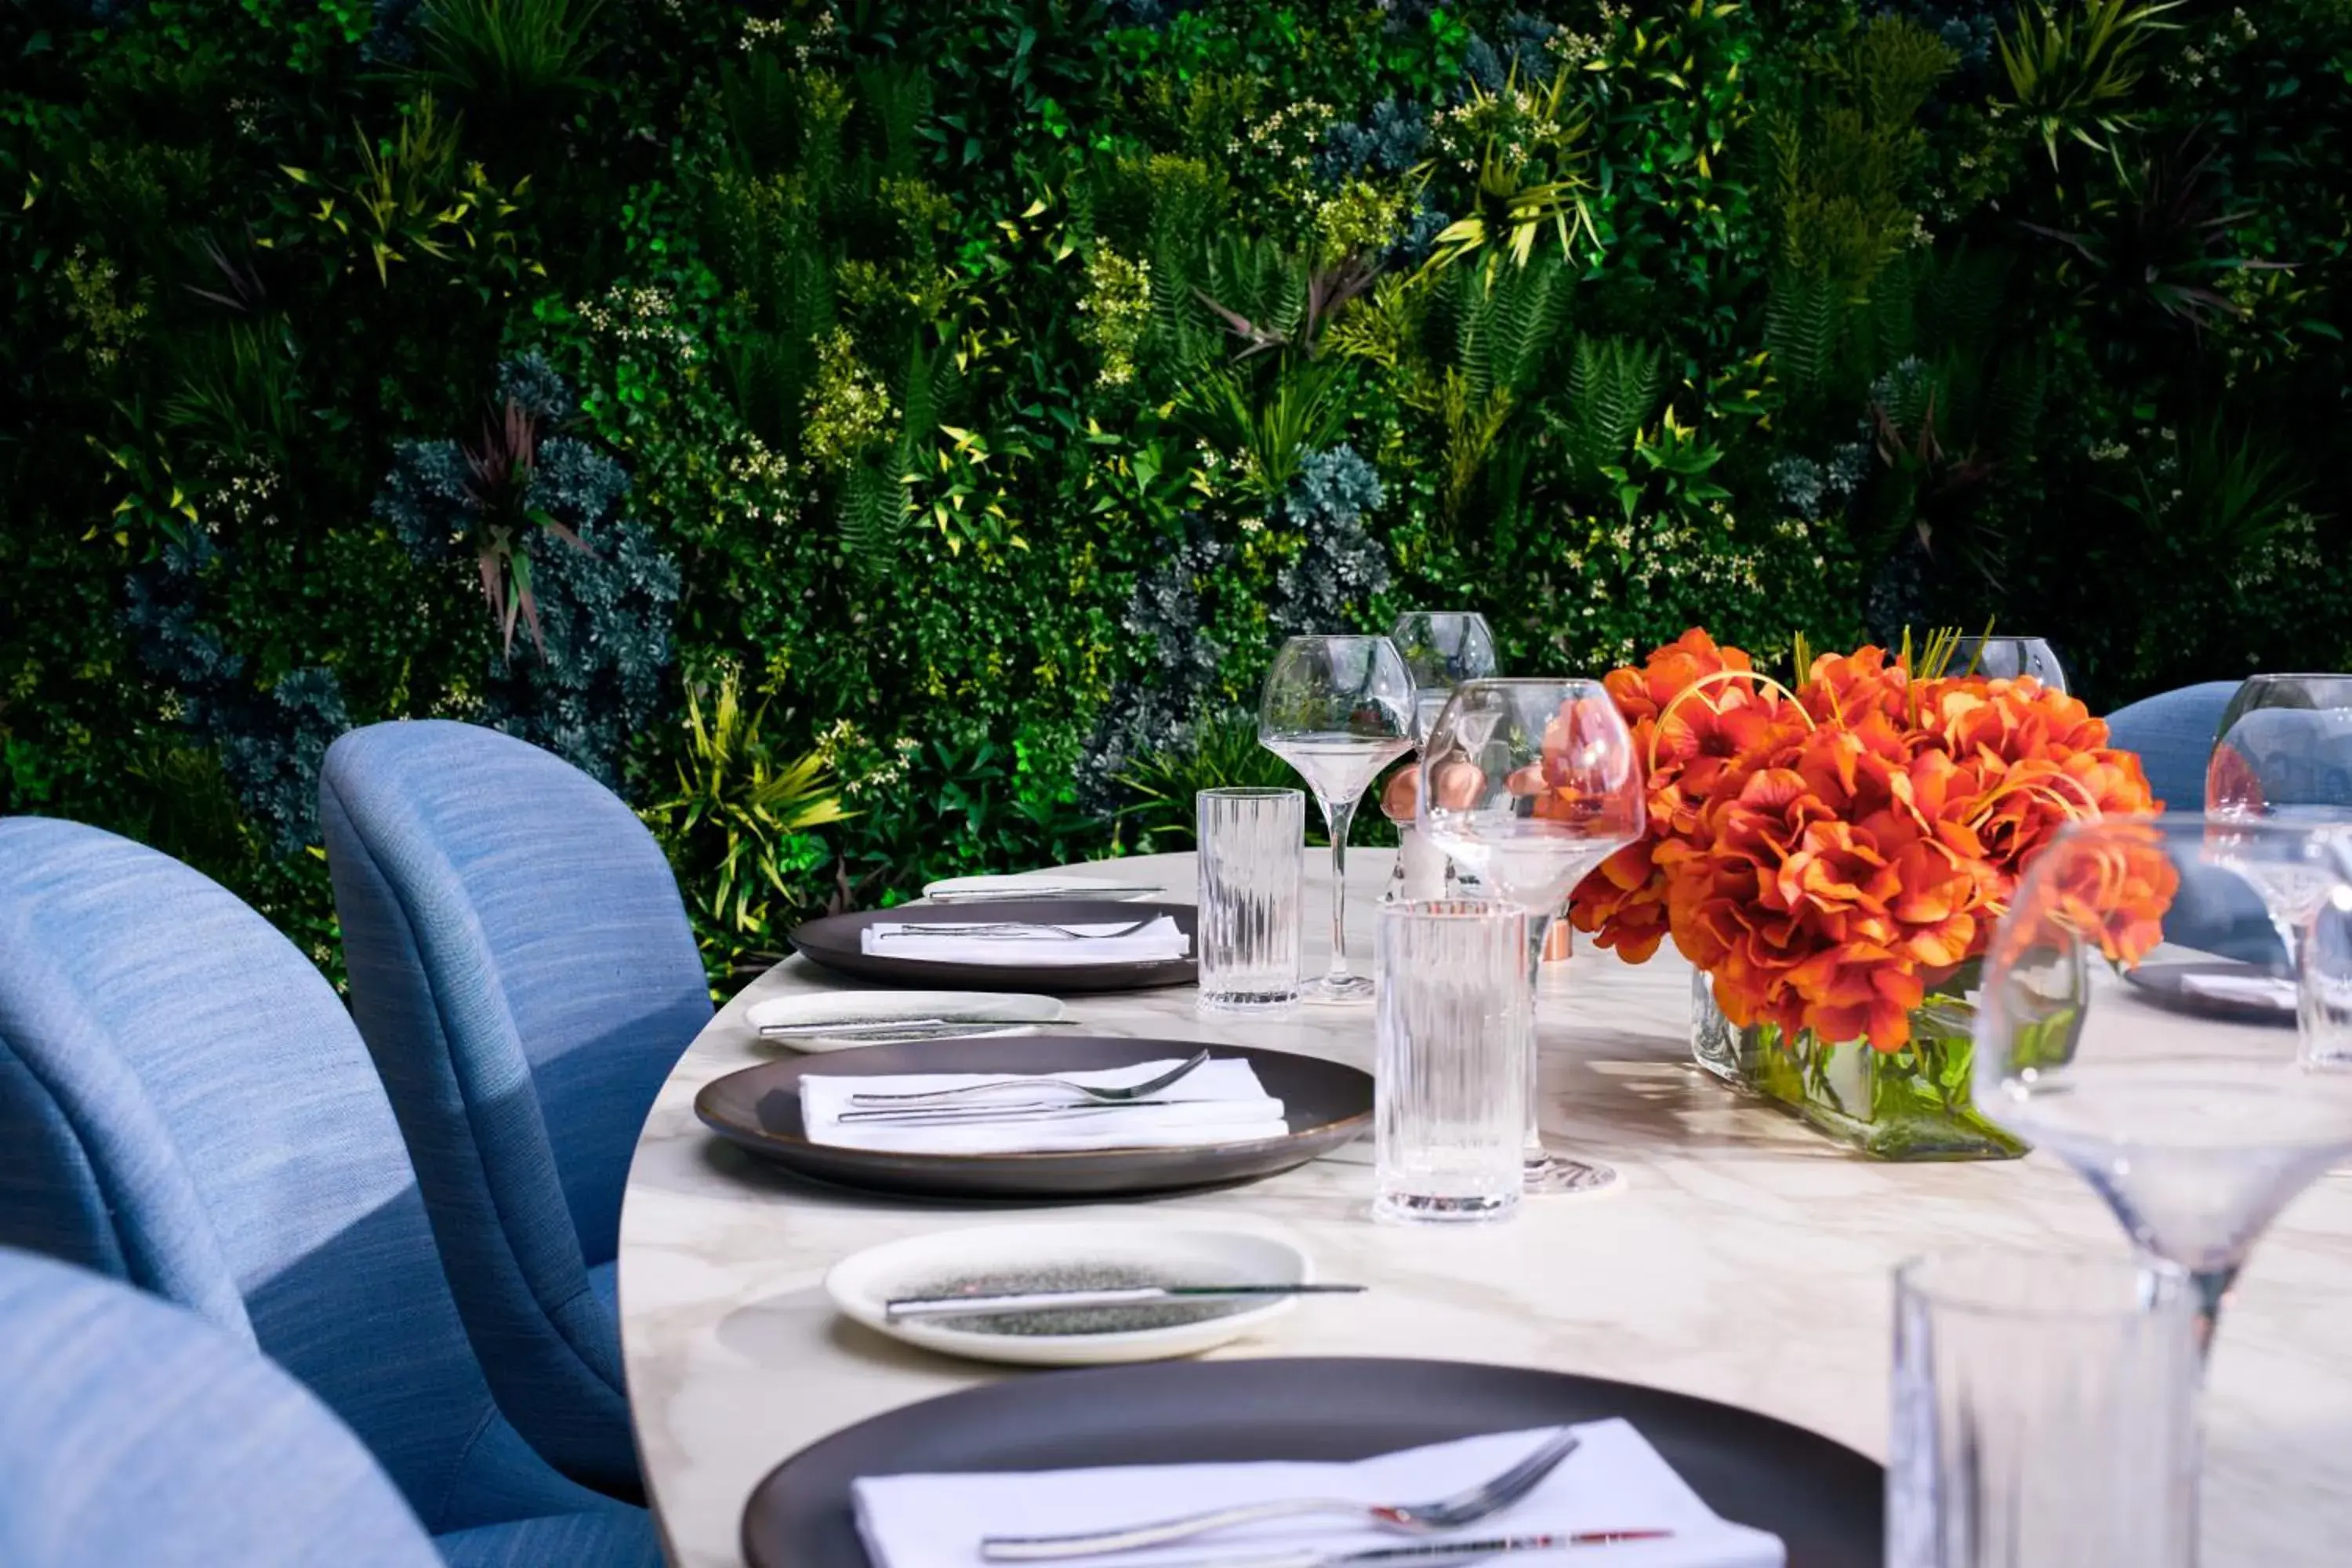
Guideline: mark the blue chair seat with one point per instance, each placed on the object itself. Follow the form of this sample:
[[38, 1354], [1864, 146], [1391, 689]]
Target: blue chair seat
[[134, 1431]]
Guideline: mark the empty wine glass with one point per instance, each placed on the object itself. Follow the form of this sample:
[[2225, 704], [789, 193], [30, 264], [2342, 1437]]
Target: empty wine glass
[[1337, 708], [2196, 1125], [1528, 785], [1442, 648], [2284, 753], [2007, 658]]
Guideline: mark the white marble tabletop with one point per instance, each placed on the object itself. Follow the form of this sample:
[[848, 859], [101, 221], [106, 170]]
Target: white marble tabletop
[[1744, 1259]]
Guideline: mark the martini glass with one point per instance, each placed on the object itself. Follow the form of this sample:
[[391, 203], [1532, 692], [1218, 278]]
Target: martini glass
[[1337, 708], [2196, 1129], [1528, 785]]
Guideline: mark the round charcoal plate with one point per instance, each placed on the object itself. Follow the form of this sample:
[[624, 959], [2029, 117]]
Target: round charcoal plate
[[1823, 1499], [834, 942], [1324, 1104]]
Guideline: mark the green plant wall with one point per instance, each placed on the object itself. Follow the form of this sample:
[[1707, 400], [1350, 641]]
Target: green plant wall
[[886, 440]]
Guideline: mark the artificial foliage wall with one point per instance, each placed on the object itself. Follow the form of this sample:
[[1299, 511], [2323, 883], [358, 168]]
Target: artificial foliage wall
[[884, 440]]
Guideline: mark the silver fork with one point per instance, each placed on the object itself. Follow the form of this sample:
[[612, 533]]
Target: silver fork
[[1088, 1092], [1467, 1507], [1013, 930]]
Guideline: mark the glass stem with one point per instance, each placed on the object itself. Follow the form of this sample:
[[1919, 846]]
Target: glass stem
[[1539, 938], [1339, 817], [2212, 1287]]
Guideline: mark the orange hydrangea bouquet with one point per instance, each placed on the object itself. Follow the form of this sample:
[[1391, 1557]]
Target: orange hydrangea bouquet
[[1830, 856]]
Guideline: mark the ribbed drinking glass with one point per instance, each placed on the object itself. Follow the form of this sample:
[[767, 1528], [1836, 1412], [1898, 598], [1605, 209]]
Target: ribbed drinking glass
[[1252, 849], [1454, 1031], [2045, 1413]]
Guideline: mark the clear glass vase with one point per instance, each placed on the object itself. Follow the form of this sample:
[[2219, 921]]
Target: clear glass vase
[[1912, 1104]]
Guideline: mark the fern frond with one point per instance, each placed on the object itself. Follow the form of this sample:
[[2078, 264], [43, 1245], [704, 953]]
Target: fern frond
[[1802, 328]]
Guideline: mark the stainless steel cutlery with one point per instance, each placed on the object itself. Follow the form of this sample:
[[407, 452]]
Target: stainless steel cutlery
[[1466, 1507], [1077, 1301], [1032, 1082]]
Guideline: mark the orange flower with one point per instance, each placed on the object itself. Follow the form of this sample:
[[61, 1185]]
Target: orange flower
[[1828, 859]]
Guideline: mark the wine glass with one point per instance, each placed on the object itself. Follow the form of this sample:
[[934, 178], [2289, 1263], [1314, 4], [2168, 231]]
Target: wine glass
[[1442, 648], [2007, 658], [2197, 1123], [1528, 785], [2284, 753], [1337, 708]]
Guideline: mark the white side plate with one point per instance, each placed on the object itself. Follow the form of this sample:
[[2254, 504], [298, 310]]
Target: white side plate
[[996, 1258]]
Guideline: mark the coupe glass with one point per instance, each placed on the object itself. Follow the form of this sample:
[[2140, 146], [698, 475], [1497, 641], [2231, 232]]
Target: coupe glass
[[1528, 785], [2284, 753], [1337, 708], [2196, 1119], [1442, 648], [2008, 658]]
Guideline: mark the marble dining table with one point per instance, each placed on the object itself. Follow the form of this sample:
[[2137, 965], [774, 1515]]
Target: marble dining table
[[1742, 1258]]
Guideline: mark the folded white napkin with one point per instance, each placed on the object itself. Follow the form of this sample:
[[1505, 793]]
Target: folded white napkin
[[1162, 939], [2256, 990], [1614, 1481], [1220, 1102]]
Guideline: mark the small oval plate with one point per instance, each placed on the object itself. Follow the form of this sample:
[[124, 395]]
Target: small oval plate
[[1001, 1258]]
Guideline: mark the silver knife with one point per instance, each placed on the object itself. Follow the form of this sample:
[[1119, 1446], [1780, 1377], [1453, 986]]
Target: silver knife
[[893, 1025], [1075, 1300], [1426, 1552], [1017, 1110]]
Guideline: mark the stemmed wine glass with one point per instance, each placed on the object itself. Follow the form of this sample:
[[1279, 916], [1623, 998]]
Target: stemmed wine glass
[[1999, 658], [2284, 753], [1528, 785], [1337, 708], [2197, 1130], [1442, 648]]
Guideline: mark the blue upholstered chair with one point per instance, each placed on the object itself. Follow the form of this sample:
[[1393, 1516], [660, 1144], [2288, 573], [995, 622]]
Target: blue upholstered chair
[[523, 972], [184, 1105], [133, 1432], [2173, 732]]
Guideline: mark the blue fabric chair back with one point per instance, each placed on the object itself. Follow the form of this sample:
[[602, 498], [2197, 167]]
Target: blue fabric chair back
[[185, 1105], [132, 1432], [2173, 732], [523, 971]]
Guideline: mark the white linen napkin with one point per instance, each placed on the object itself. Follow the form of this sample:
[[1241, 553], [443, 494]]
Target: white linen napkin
[[1220, 1102], [1614, 1481], [2256, 989], [1162, 940]]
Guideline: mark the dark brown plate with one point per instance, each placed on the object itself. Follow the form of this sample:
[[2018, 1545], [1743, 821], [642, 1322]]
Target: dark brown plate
[[1325, 1103], [833, 943], [2166, 984], [1823, 1499]]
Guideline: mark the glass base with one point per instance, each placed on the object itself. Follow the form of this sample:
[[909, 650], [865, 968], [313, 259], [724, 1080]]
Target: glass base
[[1259, 1003], [1549, 1175], [1416, 1208], [1337, 991]]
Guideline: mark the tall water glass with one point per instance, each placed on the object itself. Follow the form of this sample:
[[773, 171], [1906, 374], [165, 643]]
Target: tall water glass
[[1252, 849], [1454, 1033], [2045, 1413]]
